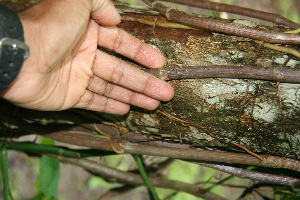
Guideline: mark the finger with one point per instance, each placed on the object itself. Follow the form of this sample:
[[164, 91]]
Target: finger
[[105, 13], [118, 40], [121, 94], [95, 102], [114, 70]]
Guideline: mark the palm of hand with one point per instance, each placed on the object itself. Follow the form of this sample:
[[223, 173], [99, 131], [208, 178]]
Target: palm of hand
[[84, 77]]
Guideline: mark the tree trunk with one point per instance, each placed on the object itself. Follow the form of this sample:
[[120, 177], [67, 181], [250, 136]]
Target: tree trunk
[[216, 113], [261, 115]]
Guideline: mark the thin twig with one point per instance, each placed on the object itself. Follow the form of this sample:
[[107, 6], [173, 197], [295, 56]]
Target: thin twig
[[278, 74], [279, 48], [254, 175], [271, 17], [144, 176], [136, 179], [223, 26]]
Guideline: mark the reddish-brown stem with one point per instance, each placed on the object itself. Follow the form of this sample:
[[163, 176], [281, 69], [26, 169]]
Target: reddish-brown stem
[[223, 26], [280, 74], [162, 149], [254, 175], [271, 17]]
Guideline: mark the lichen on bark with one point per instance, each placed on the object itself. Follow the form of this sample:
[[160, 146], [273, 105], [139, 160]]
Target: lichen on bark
[[260, 115]]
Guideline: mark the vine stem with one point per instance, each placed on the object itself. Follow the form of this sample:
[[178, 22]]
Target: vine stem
[[4, 171], [222, 7], [223, 26], [57, 150], [279, 74], [144, 176], [254, 175]]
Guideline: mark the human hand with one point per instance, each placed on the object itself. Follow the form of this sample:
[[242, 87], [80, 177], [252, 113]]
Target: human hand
[[66, 70]]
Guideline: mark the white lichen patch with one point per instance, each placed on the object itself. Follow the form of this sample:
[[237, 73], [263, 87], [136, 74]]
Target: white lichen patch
[[216, 60], [265, 111], [155, 41], [231, 55], [149, 120], [236, 54], [152, 130], [290, 94], [216, 91], [197, 135], [198, 108], [291, 63], [215, 100], [264, 62]]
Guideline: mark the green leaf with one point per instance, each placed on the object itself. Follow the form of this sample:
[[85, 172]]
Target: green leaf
[[49, 175], [285, 193], [47, 141]]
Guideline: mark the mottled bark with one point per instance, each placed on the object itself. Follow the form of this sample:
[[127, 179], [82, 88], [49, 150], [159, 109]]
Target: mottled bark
[[214, 113], [260, 115]]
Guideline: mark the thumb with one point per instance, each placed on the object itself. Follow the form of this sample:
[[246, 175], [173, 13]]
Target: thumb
[[105, 13]]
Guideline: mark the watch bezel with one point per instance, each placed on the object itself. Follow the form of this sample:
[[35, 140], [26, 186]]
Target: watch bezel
[[15, 45]]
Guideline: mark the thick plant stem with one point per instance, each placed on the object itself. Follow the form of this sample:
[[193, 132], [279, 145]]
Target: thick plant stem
[[266, 16], [162, 149], [223, 26], [279, 74]]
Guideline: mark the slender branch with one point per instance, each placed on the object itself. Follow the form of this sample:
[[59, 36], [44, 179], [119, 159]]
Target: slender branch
[[136, 179], [144, 176], [182, 152], [280, 74], [254, 175], [223, 26], [57, 150], [279, 48], [271, 17], [4, 172]]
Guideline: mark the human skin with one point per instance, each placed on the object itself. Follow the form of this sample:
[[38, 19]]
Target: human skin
[[66, 70]]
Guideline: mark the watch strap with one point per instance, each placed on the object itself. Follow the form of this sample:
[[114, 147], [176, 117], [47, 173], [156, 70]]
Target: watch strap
[[13, 50]]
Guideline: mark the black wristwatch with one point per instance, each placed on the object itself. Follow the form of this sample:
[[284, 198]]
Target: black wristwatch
[[13, 50]]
